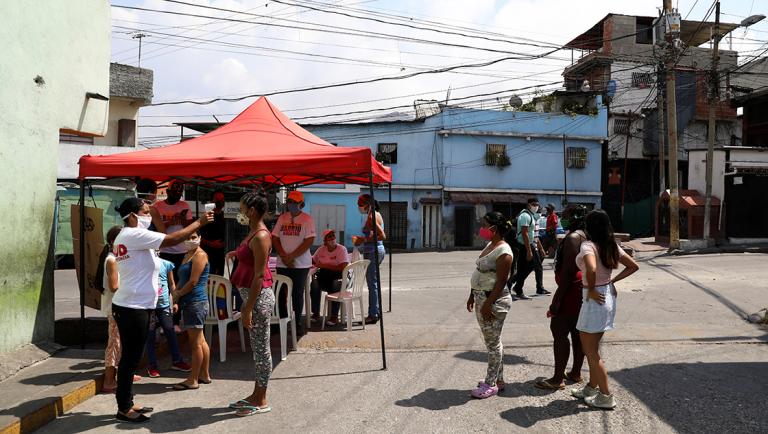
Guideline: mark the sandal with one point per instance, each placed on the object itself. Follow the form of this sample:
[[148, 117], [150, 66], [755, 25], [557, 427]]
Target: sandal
[[138, 419], [184, 386], [237, 405], [201, 381], [484, 391], [548, 385], [575, 380], [144, 410], [250, 410]]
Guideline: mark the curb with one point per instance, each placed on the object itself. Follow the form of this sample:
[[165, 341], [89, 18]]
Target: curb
[[54, 407]]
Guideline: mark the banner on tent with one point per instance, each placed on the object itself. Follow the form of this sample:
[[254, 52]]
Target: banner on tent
[[94, 243]]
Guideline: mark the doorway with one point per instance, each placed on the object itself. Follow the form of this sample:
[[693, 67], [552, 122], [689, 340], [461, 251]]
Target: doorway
[[430, 226], [463, 226]]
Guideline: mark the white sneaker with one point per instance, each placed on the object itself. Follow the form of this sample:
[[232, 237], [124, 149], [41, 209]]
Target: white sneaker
[[601, 400], [585, 392]]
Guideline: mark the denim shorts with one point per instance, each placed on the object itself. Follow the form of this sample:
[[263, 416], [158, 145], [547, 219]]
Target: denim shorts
[[193, 314]]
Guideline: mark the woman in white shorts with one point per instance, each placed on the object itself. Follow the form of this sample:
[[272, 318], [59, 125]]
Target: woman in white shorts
[[599, 256]]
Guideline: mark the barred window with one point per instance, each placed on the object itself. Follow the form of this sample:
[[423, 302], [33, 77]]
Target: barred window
[[494, 154], [577, 158], [387, 153], [620, 126], [642, 79]]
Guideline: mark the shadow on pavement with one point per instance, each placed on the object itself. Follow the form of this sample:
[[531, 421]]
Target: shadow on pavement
[[434, 399], [179, 419], [527, 417], [482, 356], [702, 397]]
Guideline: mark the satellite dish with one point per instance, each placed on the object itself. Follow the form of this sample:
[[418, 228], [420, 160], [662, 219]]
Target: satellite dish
[[515, 101]]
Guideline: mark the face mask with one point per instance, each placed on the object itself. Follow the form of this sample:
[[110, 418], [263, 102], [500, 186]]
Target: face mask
[[293, 208], [144, 221], [219, 205], [486, 233], [243, 219], [192, 244], [363, 209], [534, 209]]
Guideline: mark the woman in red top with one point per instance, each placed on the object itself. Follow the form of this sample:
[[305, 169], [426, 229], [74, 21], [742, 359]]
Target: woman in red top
[[254, 281], [566, 303]]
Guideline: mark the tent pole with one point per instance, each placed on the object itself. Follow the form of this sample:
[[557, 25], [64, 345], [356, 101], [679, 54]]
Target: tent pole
[[378, 274], [81, 282], [389, 243], [197, 201]]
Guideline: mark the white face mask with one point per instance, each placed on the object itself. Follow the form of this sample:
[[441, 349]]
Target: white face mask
[[243, 219], [144, 221], [192, 244], [363, 209]]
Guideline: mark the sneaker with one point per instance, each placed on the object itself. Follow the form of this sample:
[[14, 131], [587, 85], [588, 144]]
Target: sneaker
[[153, 372], [315, 319], [520, 297], [332, 321], [484, 391], [585, 392], [181, 366], [542, 292], [601, 400]]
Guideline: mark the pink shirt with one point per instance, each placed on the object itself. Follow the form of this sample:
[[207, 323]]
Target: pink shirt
[[603, 273], [338, 256]]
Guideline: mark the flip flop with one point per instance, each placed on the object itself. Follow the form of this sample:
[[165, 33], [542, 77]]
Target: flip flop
[[201, 381], [237, 405], [184, 386], [144, 410], [547, 385], [576, 380], [250, 410]]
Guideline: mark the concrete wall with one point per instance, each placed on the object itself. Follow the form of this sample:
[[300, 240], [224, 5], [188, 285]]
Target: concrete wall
[[119, 108], [59, 51], [697, 170]]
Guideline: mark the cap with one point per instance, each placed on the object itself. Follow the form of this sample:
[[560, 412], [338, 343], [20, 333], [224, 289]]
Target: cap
[[328, 232], [296, 196], [551, 206]]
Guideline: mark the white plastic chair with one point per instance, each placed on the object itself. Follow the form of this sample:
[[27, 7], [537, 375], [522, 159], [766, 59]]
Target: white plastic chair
[[283, 283], [215, 286], [307, 297], [229, 263], [352, 283]]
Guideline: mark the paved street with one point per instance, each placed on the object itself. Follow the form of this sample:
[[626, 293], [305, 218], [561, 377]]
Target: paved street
[[682, 359]]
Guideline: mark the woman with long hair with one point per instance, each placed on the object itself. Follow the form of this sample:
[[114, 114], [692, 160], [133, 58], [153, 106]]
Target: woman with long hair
[[566, 303], [490, 299], [254, 281], [138, 265], [597, 259], [373, 221]]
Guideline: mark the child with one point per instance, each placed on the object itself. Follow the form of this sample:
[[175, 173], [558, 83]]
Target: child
[[163, 317], [109, 279]]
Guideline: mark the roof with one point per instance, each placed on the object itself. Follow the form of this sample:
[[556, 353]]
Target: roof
[[127, 81], [260, 146], [202, 127], [693, 33]]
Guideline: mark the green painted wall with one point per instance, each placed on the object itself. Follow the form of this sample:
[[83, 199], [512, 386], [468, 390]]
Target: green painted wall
[[59, 51]]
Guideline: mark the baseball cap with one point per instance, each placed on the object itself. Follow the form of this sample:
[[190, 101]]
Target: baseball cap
[[296, 196], [328, 232]]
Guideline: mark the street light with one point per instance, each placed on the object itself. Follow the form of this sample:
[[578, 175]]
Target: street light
[[754, 19]]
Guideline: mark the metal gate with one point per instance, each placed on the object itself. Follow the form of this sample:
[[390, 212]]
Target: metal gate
[[430, 226], [398, 233]]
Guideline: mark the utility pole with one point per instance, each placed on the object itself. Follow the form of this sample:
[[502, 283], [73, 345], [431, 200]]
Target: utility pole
[[139, 36], [626, 169], [565, 173], [660, 112], [672, 20], [714, 97]]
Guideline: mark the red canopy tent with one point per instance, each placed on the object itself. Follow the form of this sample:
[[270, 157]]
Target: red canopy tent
[[260, 146]]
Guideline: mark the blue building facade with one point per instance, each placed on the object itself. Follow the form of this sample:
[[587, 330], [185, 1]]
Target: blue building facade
[[451, 168]]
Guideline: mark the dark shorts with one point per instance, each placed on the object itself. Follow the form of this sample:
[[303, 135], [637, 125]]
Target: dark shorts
[[193, 315]]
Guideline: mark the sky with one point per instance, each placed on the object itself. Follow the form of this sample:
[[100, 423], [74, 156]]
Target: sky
[[265, 46]]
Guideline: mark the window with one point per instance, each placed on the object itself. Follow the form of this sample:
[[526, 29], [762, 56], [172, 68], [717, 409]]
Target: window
[[496, 155], [644, 29], [74, 139], [620, 126], [642, 79], [387, 153], [577, 158]]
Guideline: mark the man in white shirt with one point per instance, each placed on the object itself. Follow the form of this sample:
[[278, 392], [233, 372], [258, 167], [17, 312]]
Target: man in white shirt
[[292, 237]]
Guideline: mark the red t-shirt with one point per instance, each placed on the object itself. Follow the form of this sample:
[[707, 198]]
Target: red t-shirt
[[551, 222]]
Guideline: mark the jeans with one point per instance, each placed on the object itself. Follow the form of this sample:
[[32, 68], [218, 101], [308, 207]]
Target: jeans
[[325, 281], [299, 278], [164, 320], [177, 259], [524, 268], [133, 325], [374, 310]]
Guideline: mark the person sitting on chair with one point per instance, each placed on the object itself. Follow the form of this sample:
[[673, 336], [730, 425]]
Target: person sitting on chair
[[330, 260]]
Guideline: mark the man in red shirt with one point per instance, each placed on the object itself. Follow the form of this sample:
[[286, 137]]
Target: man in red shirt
[[550, 242]]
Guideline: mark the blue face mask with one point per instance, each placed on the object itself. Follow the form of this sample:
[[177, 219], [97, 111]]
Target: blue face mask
[[293, 208]]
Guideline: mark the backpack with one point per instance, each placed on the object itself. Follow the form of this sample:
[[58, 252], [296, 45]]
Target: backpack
[[511, 237]]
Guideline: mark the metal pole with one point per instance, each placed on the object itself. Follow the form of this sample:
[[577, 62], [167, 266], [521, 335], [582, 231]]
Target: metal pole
[[714, 97], [81, 282], [197, 201], [626, 168], [674, 199], [389, 224], [565, 173], [378, 272]]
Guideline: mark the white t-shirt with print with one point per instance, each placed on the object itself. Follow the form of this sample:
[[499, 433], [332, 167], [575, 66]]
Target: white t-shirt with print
[[138, 265], [292, 231], [175, 217]]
